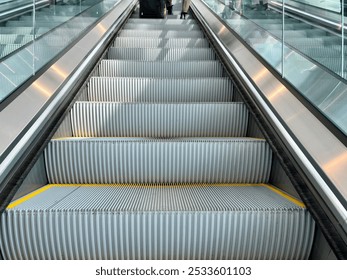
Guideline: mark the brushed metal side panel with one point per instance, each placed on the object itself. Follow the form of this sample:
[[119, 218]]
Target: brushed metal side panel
[[105, 119], [34, 180], [127, 160], [160, 90], [65, 128]]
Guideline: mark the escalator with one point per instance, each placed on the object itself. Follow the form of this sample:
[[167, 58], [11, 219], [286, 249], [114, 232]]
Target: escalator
[[157, 159]]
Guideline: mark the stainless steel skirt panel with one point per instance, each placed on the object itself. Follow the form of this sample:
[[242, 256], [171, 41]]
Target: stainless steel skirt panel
[[160, 90], [105, 119], [161, 34], [160, 54], [63, 231], [146, 160], [181, 69], [130, 42]]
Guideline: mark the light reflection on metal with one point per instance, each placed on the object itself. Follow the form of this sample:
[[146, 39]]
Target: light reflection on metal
[[101, 28], [260, 75], [41, 88], [59, 71], [336, 163], [279, 91]]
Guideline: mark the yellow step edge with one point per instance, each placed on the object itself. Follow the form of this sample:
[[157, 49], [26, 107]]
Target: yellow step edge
[[43, 189], [28, 196]]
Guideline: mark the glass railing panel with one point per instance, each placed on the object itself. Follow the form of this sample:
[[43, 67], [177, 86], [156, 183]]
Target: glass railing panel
[[34, 38], [312, 57], [254, 23]]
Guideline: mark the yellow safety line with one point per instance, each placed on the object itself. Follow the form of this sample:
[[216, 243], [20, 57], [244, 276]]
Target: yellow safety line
[[272, 188], [287, 196], [28, 196]]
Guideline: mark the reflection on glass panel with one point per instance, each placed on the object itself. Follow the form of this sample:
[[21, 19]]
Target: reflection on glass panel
[[309, 50], [31, 37]]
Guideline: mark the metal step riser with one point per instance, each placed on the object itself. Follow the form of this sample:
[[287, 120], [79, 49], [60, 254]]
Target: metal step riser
[[118, 160], [90, 119], [155, 21], [155, 235], [160, 90], [124, 42], [160, 34], [163, 27], [142, 54], [186, 69]]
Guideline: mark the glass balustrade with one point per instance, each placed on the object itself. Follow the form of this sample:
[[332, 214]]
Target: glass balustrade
[[302, 40], [34, 32]]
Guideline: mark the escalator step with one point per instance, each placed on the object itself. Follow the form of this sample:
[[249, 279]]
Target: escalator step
[[181, 69], [160, 90], [166, 21], [96, 119], [161, 34], [130, 42], [152, 54], [163, 27], [149, 160], [157, 222]]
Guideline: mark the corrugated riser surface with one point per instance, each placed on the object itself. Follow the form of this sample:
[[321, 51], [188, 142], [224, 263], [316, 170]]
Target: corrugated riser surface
[[177, 222], [172, 69], [130, 42], [157, 54], [160, 90], [161, 34], [96, 119], [146, 160]]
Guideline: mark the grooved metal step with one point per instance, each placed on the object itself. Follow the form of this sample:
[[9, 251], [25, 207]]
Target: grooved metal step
[[165, 161], [161, 21], [181, 69], [130, 42], [96, 119], [160, 90], [152, 54], [166, 27], [158, 222], [161, 34]]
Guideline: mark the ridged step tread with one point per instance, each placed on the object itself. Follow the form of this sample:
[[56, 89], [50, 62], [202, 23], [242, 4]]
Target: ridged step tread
[[165, 69], [157, 222], [164, 161], [160, 90], [156, 21], [161, 34], [105, 119], [163, 27], [164, 54], [130, 42]]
